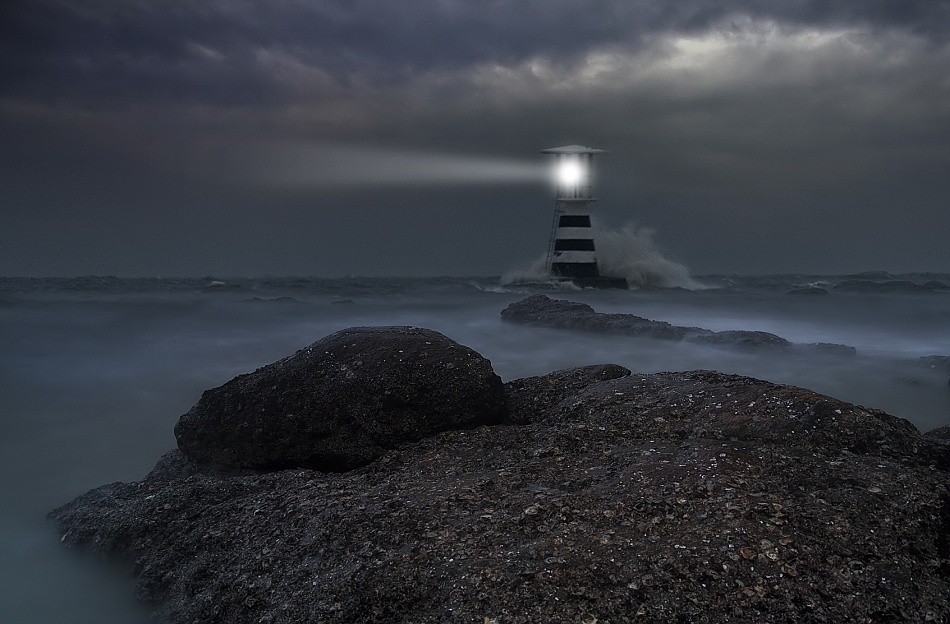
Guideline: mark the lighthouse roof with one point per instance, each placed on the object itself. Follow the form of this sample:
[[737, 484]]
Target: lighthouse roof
[[573, 149]]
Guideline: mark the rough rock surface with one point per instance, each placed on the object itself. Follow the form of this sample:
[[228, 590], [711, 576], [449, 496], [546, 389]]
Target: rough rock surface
[[890, 286], [542, 310], [691, 497], [940, 433], [529, 398], [343, 401]]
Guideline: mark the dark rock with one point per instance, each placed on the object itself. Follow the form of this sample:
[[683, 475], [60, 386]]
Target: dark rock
[[940, 433], [544, 311], [713, 405], [827, 348], [670, 497], [343, 401], [808, 291], [890, 286], [742, 339], [530, 397], [176, 465]]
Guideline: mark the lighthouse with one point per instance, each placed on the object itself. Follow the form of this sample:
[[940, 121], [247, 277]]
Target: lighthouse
[[572, 254]]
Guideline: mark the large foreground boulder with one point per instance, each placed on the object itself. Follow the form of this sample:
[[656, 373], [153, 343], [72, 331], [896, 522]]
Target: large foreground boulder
[[670, 497], [343, 401]]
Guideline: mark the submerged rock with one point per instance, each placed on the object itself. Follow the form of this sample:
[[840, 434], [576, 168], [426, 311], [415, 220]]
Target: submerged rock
[[343, 401], [544, 311], [617, 496], [889, 286]]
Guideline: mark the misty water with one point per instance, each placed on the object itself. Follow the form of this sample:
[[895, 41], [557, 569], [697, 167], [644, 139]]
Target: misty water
[[94, 373]]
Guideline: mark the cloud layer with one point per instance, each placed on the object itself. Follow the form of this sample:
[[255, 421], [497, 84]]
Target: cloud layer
[[810, 137]]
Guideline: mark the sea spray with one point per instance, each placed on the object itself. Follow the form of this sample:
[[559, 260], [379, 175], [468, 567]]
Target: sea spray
[[534, 274], [629, 252]]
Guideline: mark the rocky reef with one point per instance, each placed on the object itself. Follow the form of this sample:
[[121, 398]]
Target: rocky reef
[[889, 286], [543, 311], [386, 475]]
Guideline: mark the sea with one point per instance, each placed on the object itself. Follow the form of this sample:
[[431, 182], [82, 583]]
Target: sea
[[95, 371]]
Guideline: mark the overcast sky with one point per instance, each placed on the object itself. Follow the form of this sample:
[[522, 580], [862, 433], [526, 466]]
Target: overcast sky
[[371, 137]]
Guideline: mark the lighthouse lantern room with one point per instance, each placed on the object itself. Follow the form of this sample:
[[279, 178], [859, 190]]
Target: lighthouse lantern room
[[572, 254]]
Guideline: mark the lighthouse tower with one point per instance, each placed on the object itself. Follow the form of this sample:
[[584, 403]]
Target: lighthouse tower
[[571, 251]]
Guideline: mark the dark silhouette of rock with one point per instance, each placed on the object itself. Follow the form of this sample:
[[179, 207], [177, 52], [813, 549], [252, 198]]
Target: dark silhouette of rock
[[692, 496], [544, 311], [740, 338], [827, 348], [343, 401], [890, 286]]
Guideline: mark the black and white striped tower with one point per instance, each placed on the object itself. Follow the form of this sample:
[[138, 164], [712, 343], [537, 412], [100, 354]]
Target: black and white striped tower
[[571, 250]]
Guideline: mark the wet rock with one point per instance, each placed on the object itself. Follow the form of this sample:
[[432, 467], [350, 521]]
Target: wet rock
[[889, 286], [940, 433], [713, 405], [588, 494], [343, 401], [543, 311], [827, 348], [530, 397], [664, 497], [742, 339]]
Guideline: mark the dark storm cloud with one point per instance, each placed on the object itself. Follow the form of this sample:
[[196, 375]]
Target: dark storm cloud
[[779, 126], [217, 52]]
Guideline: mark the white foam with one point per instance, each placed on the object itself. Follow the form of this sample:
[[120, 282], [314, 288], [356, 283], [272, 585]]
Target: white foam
[[629, 252]]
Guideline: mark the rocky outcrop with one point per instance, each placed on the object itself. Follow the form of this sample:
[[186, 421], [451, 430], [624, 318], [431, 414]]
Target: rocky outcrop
[[543, 311], [530, 398], [889, 286], [607, 496], [343, 401]]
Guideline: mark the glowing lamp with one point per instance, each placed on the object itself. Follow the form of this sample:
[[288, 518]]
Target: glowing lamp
[[570, 173]]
